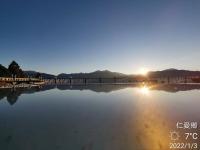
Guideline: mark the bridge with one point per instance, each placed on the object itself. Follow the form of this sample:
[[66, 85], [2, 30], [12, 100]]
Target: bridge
[[166, 80], [15, 81], [86, 80]]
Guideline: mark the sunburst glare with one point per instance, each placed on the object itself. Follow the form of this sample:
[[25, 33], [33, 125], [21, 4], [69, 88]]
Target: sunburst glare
[[143, 71]]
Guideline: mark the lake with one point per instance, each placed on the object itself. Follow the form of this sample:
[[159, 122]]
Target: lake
[[98, 117]]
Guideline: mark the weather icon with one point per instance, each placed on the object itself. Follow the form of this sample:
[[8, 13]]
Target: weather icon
[[174, 136]]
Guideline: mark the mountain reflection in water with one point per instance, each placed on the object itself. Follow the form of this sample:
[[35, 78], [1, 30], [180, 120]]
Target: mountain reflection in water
[[12, 94], [99, 117]]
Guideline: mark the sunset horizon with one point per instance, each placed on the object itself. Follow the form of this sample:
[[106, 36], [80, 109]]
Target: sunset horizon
[[138, 71]]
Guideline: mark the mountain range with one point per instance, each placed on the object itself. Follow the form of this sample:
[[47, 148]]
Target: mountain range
[[109, 74], [95, 74], [15, 70], [44, 75], [173, 73]]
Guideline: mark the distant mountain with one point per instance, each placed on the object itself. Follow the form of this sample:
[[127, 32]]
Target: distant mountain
[[173, 73], [44, 75], [4, 72], [108, 74], [96, 74]]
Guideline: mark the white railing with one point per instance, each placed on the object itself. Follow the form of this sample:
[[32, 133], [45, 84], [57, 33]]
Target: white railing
[[18, 79]]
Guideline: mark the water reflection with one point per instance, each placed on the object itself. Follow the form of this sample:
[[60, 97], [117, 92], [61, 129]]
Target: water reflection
[[152, 128], [114, 117], [12, 94], [144, 90]]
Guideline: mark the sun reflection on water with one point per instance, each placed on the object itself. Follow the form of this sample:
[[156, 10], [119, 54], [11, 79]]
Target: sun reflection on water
[[144, 90], [151, 127]]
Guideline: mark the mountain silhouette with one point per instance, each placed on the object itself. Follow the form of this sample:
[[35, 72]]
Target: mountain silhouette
[[109, 74], [43, 75], [96, 74], [173, 73]]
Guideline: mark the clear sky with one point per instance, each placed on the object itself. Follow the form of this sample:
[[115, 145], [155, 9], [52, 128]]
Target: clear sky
[[87, 35]]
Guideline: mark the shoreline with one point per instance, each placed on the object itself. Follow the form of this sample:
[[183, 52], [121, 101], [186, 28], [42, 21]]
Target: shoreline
[[18, 86], [82, 84]]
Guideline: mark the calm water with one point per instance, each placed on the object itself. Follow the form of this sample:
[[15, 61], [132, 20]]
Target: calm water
[[101, 117]]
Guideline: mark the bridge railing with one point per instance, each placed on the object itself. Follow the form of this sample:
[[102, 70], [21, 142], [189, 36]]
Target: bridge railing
[[18, 79]]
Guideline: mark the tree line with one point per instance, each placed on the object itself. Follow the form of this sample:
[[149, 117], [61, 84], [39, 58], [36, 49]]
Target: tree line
[[13, 70]]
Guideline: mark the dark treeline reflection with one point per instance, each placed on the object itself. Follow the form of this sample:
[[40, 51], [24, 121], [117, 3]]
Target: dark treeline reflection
[[12, 94]]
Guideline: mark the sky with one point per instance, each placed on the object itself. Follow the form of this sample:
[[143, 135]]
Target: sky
[[57, 36]]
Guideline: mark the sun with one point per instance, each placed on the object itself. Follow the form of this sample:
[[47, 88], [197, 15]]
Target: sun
[[143, 71]]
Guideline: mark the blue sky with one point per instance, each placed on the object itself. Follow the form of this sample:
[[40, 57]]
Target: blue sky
[[118, 35]]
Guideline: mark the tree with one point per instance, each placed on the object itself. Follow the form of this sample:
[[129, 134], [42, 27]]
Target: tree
[[4, 72], [38, 75], [15, 70]]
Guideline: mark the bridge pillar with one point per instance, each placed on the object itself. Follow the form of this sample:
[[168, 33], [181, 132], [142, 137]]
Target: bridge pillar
[[185, 80], [115, 79], [85, 80], [70, 81], [100, 80]]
